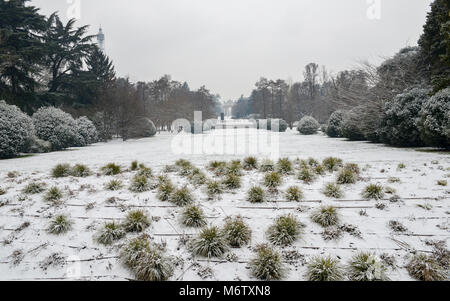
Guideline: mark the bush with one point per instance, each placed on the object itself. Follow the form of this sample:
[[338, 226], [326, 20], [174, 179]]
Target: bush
[[38, 146], [16, 130], [366, 267], [434, 122], [332, 164], [133, 251], [284, 231], [333, 190], [256, 195], [334, 127], [401, 116], [182, 197], [60, 225], [267, 165], [250, 163], [213, 189], [273, 124], [353, 167], [54, 195], [193, 216], [232, 182], [351, 126], [61, 171], [425, 268], [139, 184], [141, 128], [373, 192], [308, 126], [267, 265], [306, 175], [234, 168], [111, 169], [110, 233], [346, 176], [324, 269], [114, 185], [136, 221], [326, 216], [57, 127], [87, 130], [144, 171], [34, 188], [284, 166], [165, 190], [134, 166], [80, 171], [197, 177], [294, 194], [209, 243], [272, 180], [237, 233]]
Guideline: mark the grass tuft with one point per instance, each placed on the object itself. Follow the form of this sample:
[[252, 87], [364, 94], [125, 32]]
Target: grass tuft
[[285, 231], [232, 182], [268, 264], [367, 267], [34, 188], [61, 171], [373, 192], [213, 189], [140, 183], [54, 195], [165, 190], [294, 194], [114, 185], [209, 243], [333, 190], [284, 166], [111, 169], [326, 216], [425, 268], [256, 195], [346, 176], [136, 221], [181, 197], [306, 175], [332, 164], [109, 233], [324, 269], [60, 225], [237, 233], [250, 163], [81, 171], [193, 216], [267, 166], [272, 180]]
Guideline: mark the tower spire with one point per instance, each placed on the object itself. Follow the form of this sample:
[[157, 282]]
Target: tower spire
[[101, 39]]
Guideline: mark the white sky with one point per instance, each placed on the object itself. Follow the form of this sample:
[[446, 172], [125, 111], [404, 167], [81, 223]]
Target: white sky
[[228, 44]]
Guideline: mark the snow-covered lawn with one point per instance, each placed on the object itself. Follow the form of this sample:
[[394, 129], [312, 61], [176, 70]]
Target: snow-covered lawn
[[29, 252]]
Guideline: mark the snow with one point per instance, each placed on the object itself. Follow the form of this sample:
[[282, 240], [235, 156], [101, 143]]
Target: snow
[[82, 258]]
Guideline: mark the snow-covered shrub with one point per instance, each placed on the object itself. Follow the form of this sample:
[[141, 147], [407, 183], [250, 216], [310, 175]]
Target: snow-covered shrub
[[401, 116], [16, 130], [284, 231], [182, 197], [272, 180], [87, 130], [333, 190], [334, 126], [332, 164], [268, 264], [61, 170], [434, 121], [153, 266], [136, 221], [197, 177], [325, 269], [346, 176], [140, 184], [114, 185], [326, 216], [109, 233], [425, 268], [235, 168], [256, 195], [351, 126], [367, 267], [193, 216], [237, 232], [284, 166], [308, 125], [38, 146], [373, 192], [250, 163], [34, 188], [111, 169], [232, 182], [267, 165], [59, 225], [213, 189], [306, 175], [81, 171], [54, 195], [294, 194], [141, 128], [211, 242], [133, 250], [165, 191], [57, 127]]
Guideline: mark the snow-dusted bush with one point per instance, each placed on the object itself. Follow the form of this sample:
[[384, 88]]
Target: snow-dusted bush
[[326, 216], [367, 267], [425, 268], [268, 264], [325, 269], [38, 146], [434, 121], [193, 216], [285, 231], [334, 126], [16, 130], [142, 128], [237, 232], [57, 127], [136, 221], [87, 130], [351, 125], [308, 125], [211, 242], [109, 233], [401, 116], [280, 124]]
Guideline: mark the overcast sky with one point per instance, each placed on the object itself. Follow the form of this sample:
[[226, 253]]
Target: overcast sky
[[228, 45]]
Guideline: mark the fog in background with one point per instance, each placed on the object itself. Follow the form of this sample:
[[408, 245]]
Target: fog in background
[[228, 45]]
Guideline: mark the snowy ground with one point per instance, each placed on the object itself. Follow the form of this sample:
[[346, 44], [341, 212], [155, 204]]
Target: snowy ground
[[77, 253]]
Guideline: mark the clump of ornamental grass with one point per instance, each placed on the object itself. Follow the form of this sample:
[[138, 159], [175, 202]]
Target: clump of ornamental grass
[[109, 233], [401, 166], [272, 180], [232, 182], [237, 233], [54, 195], [306, 175], [442, 182], [332, 164], [346, 176], [170, 168], [197, 177], [209, 243], [425, 268], [284, 166], [267, 166], [81, 171], [136, 221], [353, 167], [165, 190], [332, 233], [134, 166], [61, 171], [34, 188], [285, 231], [250, 163], [114, 185], [313, 162], [144, 171], [145, 261], [373, 192], [333, 190], [396, 226], [326, 216], [367, 267], [256, 195], [193, 216], [182, 197], [294, 194], [319, 170], [182, 163], [325, 269], [140, 184], [235, 168], [268, 264], [59, 225], [111, 169], [213, 189], [219, 168]]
